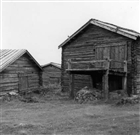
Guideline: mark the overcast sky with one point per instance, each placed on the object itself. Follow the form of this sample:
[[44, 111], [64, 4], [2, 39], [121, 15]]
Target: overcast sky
[[40, 27]]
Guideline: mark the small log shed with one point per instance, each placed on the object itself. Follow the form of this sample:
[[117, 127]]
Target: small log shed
[[51, 73], [19, 71], [103, 56]]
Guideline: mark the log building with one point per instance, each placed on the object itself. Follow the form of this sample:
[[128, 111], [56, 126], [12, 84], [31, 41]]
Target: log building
[[19, 71], [103, 56], [51, 73]]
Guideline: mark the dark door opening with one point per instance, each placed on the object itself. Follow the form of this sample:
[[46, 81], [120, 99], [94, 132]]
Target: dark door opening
[[97, 80], [115, 83]]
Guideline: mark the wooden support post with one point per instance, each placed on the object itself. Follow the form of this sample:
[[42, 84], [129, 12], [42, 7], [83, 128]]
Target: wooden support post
[[107, 64], [106, 80], [124, 80], [71, 86], [69, 63], [125, 66], [105, 85], [125, 83]]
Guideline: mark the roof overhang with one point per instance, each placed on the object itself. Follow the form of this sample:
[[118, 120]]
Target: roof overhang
[[16, 56], [34, 60]]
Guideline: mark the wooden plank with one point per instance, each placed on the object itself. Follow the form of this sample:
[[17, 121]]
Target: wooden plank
[[112, 44], [8, 75], [83, 44], [124, 82], [8, 84], [92, 61], [105, 84], [8, 80], [9, 88], [125, 51], [71, 86], [91, 69]]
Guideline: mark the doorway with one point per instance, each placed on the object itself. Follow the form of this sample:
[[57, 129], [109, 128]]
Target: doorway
[[23, 82], [115, 83], [97, 80]]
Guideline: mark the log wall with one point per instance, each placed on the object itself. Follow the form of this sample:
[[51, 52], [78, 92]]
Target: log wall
[[51, 75], [83, 46], [24, 66], [137, 65]]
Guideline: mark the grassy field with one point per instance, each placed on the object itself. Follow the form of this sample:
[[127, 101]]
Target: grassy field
[[58, 115]]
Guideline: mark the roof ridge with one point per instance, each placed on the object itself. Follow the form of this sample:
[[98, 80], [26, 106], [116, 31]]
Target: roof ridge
[[108, 26], [116, 26], [8, 56]]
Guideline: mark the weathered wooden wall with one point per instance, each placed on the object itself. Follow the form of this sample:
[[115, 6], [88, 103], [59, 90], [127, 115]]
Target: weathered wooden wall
[[24, 66], [51, 75], [137, 66], [84, 46]]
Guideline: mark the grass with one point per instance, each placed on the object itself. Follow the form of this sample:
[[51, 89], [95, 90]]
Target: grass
[[56, 114]]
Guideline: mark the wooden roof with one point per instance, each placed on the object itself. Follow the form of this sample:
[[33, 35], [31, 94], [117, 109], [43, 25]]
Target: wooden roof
[[8, 56], [52, 64], [111, 27]]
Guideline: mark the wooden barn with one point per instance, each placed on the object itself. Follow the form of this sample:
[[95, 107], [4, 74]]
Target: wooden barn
[[19, 71], [103, 56], [51, 73]]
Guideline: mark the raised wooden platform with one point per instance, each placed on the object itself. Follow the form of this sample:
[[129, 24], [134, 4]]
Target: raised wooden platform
[[106, 67], [97, 65]]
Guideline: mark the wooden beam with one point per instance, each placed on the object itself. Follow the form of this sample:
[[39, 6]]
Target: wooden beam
[[124, 82], [91, 69], [105, 80], [116, 73], [71, 86], [111, 45], [125, 66], [69, 63], [92, 61]]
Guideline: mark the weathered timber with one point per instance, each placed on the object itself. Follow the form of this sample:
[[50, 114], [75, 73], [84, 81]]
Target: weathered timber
[[93, 44], [16, 74], [124, 79], [105, 85], [71, 85], [51, 75]]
